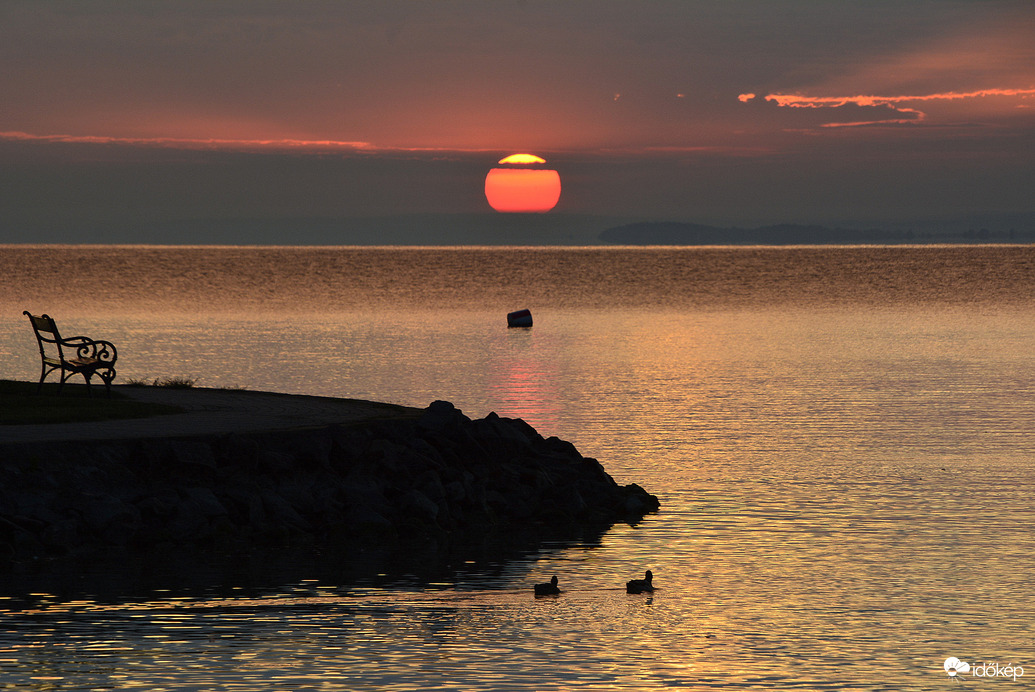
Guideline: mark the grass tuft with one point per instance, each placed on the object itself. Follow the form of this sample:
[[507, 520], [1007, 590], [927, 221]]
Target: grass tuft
[[176, 382], [169, 382]]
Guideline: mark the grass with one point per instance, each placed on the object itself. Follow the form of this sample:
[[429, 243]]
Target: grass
[[168, 382], [21, 405]]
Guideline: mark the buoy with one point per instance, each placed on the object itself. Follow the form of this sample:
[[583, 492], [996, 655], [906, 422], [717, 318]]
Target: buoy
[[521, 318]]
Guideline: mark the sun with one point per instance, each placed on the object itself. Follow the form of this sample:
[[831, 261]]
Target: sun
[[522, 158], [523, 185]]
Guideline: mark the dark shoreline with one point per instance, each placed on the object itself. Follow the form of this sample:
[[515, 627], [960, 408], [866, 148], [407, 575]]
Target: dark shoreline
[[438, 485]]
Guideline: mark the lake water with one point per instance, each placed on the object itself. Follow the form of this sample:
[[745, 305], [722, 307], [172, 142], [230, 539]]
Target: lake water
[[842, 439]]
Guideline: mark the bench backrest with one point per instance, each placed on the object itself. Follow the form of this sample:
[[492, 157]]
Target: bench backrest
[[46, 333]]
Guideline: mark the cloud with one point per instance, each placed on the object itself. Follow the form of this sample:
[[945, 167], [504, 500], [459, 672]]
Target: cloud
[[323, 146], [798, 101], [185, 143], [890, 110]]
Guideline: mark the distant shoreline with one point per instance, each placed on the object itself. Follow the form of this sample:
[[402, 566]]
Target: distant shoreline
[[518, 230], [689, 234], [596, 246]]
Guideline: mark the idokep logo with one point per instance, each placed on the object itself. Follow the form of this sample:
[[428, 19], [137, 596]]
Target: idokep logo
[[954, 667]]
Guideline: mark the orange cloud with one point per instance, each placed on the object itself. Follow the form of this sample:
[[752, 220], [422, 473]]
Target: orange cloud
[[910, 115], [286, 145], [184, 143], [798, 101]]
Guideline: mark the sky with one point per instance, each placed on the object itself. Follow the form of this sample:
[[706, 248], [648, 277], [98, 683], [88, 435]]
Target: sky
[[161, 114]]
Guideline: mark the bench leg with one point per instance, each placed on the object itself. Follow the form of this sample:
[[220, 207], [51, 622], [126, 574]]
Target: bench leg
[[107, 378], [87, 374]]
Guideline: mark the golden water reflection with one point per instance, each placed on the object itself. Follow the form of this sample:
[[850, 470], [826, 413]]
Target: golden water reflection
[[843, 441]]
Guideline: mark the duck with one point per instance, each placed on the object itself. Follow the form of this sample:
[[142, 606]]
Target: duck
[[640, 585], [548, 589]]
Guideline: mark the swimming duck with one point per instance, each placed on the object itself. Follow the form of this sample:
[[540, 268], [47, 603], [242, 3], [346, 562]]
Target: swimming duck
[[640, 585], [549, 589]]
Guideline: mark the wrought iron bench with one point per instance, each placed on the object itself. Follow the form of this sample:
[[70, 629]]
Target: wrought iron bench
[[75, 355]]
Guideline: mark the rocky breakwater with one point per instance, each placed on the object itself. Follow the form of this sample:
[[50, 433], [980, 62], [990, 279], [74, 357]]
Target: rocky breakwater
[[434, 476]]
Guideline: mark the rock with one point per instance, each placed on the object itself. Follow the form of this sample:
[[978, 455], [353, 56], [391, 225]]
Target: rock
[[206, 501], [363, 521], [282, 514], [418, 507], [109, 518], [437, 478], [442, 415]]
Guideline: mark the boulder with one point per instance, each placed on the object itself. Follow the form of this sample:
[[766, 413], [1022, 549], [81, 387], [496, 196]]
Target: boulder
[[442, 476]]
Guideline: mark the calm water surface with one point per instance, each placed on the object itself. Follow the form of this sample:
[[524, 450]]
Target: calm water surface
[[842, 440]]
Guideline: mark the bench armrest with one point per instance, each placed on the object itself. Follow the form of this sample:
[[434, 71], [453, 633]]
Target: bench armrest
[[96, 349]]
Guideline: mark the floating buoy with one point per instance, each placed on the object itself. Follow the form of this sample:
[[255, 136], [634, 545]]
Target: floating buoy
[[521, 318]]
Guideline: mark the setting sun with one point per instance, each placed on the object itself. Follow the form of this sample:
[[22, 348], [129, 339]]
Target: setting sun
[[522, 158], [523, 186]]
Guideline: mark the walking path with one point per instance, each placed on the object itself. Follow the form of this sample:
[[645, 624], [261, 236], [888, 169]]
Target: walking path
[[211, 412]]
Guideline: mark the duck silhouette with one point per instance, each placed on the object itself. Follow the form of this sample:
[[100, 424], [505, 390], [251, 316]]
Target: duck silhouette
[[549, 589], [640, 585]]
